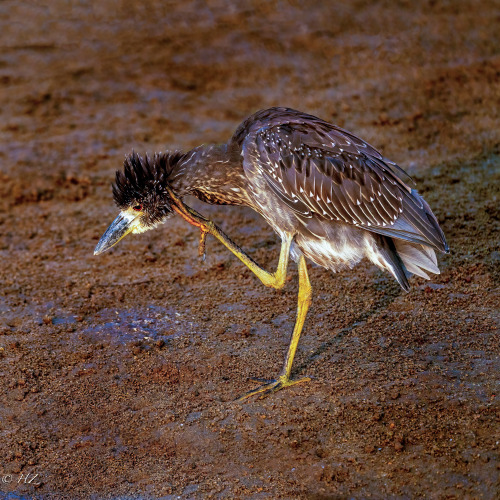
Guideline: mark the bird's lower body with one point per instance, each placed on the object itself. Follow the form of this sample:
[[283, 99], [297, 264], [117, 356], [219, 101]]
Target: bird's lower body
[[330, 245], [275, 280]]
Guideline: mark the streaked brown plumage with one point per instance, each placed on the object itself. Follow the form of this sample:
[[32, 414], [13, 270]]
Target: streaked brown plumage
[[332, 198], [338, 189]]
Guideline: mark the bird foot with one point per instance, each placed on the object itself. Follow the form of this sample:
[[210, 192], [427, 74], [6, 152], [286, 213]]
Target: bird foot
[[271, 386]]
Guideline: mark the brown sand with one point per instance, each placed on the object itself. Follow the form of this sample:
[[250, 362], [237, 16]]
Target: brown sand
[[119, 371]]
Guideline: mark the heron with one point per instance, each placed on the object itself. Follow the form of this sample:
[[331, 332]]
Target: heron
[[331, 197]]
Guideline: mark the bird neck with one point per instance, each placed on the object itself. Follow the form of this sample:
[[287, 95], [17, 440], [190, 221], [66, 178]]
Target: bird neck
[[212, 173]]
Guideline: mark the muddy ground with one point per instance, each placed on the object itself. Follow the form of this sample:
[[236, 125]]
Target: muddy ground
[[119, 371]]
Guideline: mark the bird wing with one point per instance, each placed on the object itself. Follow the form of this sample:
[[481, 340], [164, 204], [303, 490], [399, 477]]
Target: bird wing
[[319, 169]]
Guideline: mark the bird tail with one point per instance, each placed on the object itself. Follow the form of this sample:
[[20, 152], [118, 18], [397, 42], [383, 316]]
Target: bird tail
[[402, 259], [416, 258], [393, 262]]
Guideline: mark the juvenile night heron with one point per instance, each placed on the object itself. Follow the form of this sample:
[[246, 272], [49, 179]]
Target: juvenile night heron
[[330, 196]]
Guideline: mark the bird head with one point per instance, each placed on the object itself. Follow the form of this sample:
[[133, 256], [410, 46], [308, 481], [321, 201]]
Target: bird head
[[140, 192]]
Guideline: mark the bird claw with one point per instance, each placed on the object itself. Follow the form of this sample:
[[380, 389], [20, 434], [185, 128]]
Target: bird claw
[[271, 386]]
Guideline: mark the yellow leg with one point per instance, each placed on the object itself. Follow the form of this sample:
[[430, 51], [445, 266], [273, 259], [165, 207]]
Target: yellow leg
[[274, 280], [304, 301]]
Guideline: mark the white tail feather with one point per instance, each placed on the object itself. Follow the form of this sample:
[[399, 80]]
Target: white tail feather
[[417, 257]]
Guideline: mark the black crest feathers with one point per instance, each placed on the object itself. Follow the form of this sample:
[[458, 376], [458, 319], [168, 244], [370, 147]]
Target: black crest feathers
[[143, 177]]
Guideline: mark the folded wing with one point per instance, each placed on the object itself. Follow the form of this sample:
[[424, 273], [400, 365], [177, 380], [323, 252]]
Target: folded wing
[[318, 169]]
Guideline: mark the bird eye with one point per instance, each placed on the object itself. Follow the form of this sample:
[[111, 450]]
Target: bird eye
[[137, 208]]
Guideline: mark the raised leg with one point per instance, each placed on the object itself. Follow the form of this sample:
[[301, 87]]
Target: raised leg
[[274, 280], [304, 301]]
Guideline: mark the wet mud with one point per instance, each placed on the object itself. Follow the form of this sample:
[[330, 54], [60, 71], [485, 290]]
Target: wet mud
[[119, 372]]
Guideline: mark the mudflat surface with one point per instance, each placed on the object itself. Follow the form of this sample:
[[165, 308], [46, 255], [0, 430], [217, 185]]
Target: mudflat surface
[[119, 372]]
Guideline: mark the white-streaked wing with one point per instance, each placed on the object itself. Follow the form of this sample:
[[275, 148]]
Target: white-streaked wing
[[318, 169]]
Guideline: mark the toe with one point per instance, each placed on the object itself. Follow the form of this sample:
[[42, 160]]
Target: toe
[[271, 386]]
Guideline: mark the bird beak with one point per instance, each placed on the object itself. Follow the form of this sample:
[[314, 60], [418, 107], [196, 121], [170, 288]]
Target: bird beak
[[118, 229]]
